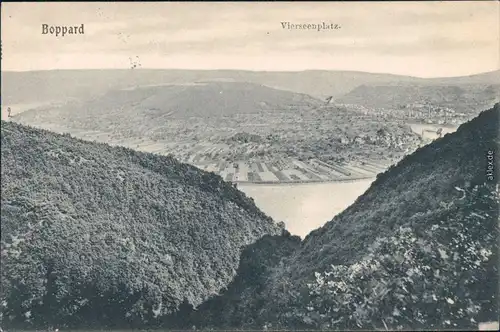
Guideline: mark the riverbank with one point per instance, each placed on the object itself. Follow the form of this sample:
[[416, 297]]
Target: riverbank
[[304, 182]]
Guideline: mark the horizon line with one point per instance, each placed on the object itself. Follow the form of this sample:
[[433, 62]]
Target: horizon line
[[249, 70]]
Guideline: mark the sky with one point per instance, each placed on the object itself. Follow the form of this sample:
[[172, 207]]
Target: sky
[[426, 39]]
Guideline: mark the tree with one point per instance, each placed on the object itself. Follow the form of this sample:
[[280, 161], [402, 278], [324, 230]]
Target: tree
[[430, 278]]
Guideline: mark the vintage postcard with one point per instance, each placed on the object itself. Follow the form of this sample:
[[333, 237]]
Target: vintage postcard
[[250, 165]]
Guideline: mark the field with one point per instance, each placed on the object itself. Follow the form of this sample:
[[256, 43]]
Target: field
[[273, 147], [212, 157], [243, 132]]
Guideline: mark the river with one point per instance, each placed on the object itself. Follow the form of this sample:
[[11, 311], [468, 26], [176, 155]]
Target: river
[[305, 207], [429, 130]]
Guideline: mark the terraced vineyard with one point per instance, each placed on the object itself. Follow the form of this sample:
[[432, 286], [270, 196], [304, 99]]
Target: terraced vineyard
[[300, 145], [284, 170], [293, 170], [275, 156], [212, 158]]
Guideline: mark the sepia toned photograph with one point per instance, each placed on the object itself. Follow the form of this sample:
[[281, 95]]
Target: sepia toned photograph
[[250, 166]]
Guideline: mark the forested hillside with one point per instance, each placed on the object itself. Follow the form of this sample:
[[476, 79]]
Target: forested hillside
[[50, 85], [237, 307], [143, 110], [93, 235], [418, 250], [466, 98]]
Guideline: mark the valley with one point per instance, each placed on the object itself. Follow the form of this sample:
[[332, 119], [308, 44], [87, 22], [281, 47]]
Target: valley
[[250, 162], [246, 133], [332, 178], [202, 167], [253, 127]]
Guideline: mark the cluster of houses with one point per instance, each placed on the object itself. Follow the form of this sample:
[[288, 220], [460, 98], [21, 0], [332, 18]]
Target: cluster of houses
[[432, 114]]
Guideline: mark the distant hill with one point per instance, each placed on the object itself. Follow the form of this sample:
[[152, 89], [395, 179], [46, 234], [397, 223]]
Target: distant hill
[[492, 77], [459, 97], [93, 235], [140, 110], [44, 86], [418, 250]]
